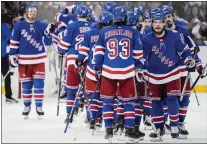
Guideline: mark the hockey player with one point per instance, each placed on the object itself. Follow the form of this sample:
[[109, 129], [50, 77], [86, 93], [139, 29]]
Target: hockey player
[[109, 7], [92, 84], [169, 23], [162, 51], [70, 44], [140, 12], [146, 22], [90, 18], [28, 53], [114, 53]]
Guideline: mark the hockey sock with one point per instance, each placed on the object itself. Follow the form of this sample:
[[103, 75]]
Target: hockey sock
[[183, 108], [27, 93], [38, 91], [119, 112], [157, 113], [93, 110], [173, 110], [108, 112], [70, 99], [138, 112], [100, 108], [77, 101], [129, 114], [147, 105], [165, 109], [115, 107]]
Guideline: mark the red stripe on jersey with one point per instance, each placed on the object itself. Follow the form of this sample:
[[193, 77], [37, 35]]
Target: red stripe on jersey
[[14, 44], [164, 77], [138, 54], [83, 50], [63, 45], [99, 49], [91, 73], [118, 72], [32, 58], [93, 107]]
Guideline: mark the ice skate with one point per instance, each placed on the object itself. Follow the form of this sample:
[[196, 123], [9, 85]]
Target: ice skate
[[157, 135], [183, 132], [140, 134], [109, 134], [26, 112], [81, 104], [99, 121], [40, 112], [131, 136], [93, 126], [147, 122], [69, 119], [75, 110]]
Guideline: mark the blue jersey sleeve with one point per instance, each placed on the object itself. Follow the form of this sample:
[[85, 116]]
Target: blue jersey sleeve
[[99, 52], [138, 50], [66, 41], [85, 48], [14, 40], [147, 51], [181, 47]]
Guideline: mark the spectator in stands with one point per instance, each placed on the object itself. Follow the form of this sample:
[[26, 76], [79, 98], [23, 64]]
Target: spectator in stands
[[46, 12], [195, 16]]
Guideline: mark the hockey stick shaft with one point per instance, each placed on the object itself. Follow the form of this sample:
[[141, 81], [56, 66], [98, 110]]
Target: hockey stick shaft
[[61, 65], [184, 87], [195, 93], [5, 76]]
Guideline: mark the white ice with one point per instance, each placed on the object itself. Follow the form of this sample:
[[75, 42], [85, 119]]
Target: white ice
[[51, 128]]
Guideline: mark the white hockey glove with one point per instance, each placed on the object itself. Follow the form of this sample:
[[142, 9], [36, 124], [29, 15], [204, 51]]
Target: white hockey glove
[[13, 61], [190, 64], [139, 75]]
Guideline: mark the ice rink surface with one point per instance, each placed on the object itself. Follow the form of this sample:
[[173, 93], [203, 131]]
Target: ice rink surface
[[51, 128]]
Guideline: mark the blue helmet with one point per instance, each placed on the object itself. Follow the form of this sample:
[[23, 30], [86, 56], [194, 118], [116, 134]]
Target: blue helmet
[[136, 15], [139, 10], [76, 8], [158, 16], [131, 18], [119, 14], [153, 11], [89, 12], [109, 6], [82, 11], [106, 17], [31, 5], [167, 10], [146, 16]]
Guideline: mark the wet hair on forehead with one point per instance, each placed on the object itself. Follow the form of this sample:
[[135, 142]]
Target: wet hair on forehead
[[32, 9]]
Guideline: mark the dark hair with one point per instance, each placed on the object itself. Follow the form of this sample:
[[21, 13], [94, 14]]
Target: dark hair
[[122, 22]]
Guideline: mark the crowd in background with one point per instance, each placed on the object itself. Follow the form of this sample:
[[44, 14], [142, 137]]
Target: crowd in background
[[194, 13]]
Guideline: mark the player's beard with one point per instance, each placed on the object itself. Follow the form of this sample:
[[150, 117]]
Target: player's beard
[[158, 32], [169, 24]]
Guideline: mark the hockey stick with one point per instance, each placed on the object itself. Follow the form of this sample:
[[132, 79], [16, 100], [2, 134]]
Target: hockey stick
[[195, 92], [184, 87], [200, 76], [5, 76], [61, 65], [79, 89]]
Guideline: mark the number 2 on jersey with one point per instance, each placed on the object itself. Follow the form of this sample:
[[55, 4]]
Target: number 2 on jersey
[[113, 47], [79, 40]]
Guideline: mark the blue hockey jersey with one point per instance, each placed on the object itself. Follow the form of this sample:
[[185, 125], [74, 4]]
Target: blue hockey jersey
[[27, 41], [185, 33], [5, 36], [72, 39], [147, 30], [87, 50], [163, 56], [117, 50]]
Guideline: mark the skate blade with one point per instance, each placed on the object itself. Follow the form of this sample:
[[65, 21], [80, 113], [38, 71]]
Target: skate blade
[[147, 128], [141, 138], [40, 117], [131, 140], [158, 139], [26, 117], [182, 137]]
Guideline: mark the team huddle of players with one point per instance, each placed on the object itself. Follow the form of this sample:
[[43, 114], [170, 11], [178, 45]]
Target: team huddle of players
[[124, 65]]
